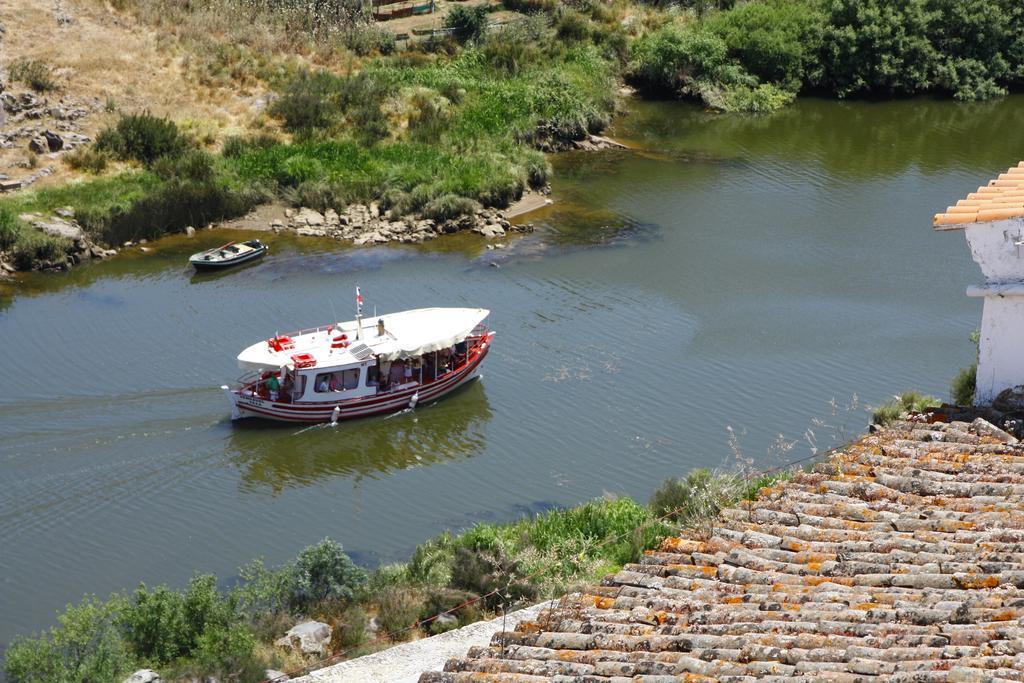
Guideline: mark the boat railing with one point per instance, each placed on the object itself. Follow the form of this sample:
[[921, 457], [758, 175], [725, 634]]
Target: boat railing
[[308, 330]]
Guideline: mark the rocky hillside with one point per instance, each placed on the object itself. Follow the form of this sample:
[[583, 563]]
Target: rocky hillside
[[68, 67]]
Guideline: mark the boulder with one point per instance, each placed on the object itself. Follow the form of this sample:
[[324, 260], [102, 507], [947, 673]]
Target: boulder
[[39, 145], [310, 217], [75, 139], [60, 227], [54, 142], [492, 231], [27, 100], [143, 676], [310, 232], [190, 231], [273, 676], [331, 217], [443, 623], [311, 637]]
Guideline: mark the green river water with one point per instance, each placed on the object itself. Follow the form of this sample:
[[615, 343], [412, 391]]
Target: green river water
[[730, 271]]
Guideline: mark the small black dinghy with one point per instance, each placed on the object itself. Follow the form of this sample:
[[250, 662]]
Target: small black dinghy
[[231, 254]]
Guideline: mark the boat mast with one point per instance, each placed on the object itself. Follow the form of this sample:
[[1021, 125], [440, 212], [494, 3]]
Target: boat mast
[[359, 314]]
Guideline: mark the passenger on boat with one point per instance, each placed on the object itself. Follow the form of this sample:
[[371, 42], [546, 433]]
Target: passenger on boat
[[273, 386], [397, 373], [324, 385]]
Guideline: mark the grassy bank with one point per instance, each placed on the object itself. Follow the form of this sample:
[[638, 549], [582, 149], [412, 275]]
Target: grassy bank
[[228, 632], [444, 124]]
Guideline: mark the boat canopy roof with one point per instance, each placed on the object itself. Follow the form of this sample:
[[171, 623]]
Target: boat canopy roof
[[406, 335]]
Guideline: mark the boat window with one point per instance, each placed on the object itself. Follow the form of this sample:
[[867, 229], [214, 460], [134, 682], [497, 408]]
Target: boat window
[[372, 376], [336, 381], [323, 382]]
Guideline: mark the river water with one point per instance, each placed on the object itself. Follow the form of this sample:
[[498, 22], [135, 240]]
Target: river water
[[756, 273]]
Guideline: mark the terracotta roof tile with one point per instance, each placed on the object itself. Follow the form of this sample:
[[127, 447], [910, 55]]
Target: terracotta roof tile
[[1001, 198], [901, 558]]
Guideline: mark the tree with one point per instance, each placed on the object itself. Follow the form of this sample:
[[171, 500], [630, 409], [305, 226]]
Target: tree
[[324, 572], [86, 646], [467, 23]]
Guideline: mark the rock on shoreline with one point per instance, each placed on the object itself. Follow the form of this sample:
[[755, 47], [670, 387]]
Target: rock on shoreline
[[367, 224], [65, 226]]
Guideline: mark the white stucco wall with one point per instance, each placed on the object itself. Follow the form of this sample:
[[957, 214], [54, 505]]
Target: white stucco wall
[[994, 247], [1001, 353]]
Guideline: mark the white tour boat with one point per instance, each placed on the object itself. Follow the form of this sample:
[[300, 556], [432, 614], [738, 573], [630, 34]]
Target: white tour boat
[[352, 369]]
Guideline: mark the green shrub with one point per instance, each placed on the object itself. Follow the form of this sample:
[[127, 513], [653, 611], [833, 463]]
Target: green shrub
[[675, 58], [88, 159], [776, 40], [143, 138], [193, 166], [324, 572], [170, 208], [299, 169], [32, 247], [396, 202], [443, 600], [431, 562], [228, 650], [318, 194], [762, 99], [467, 23], [306, 104], [370, 39], [85, 646], [483, 571], [34, 73], [697, 498], [399, 608], [449, 206], [235, 146], [571, 25], [897, 406], [350, 630], [10, 227], [529, 6], [963, 386], [163, 625]]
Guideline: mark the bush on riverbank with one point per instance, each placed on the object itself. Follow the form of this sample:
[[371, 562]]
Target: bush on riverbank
[[201, 630], [969, 49], [897, 406], [26, 246]]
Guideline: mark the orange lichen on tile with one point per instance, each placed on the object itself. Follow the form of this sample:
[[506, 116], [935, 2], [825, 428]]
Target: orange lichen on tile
[[865, 606], [1002, 198], [681, 545], [975, 581], [816, 580]]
